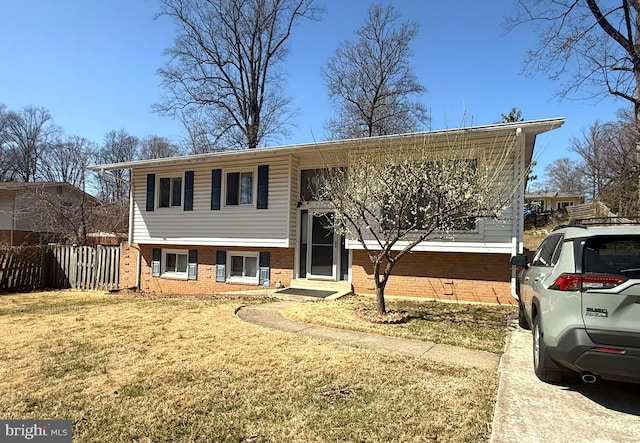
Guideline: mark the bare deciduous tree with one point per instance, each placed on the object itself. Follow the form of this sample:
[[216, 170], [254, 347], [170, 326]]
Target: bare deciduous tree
[[592, 44], [28, 134], [611, 167], [565, 175], [392, 198], [67, 161], [4, 148], [110, 216], [119, 146], [154, 146], [66, 214], [225, 59], [371, 81], [199, 139]]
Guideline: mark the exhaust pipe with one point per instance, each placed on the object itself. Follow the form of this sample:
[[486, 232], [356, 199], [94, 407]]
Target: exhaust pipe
[[588, 377]]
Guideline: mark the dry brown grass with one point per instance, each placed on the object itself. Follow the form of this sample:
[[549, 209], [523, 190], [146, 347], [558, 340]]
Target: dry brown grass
[[473, 326], [128, 368]]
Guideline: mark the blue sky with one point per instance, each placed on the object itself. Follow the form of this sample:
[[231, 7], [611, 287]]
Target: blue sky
[[93, 64]]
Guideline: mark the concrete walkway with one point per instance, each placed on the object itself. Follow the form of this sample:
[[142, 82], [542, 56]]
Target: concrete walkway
[[270, 315]]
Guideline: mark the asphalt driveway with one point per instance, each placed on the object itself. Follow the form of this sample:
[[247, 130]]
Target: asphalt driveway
[[529, 410]]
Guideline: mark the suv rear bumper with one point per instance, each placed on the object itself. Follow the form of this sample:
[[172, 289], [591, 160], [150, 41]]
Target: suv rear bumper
[[577, 352]]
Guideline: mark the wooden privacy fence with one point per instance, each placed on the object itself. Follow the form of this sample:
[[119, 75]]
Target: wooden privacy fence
[[85, 267], [59, 267], [23, 269]]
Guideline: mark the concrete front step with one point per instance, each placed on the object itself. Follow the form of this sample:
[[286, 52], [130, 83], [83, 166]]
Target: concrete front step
[[320, 284], [340, 288]]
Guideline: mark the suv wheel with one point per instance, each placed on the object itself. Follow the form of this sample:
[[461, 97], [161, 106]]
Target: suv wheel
[[540, 355], [522, 318]]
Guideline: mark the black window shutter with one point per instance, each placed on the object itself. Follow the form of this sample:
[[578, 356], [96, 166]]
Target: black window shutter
[[216, 185], [263, 187], [188, 191], [151, 191], [264, 271], [155, 262], [221, 270], [192, 269]]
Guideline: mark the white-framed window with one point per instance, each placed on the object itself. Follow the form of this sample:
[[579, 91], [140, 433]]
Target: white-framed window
[[170, 194], [239, 188], [242, 267], [174, 263]]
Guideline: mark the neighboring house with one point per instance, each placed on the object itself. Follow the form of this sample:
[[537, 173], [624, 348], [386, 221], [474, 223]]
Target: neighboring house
[[18, 201], [552, 201], [237, 220]]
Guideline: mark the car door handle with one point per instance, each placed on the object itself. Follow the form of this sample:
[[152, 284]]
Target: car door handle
[[540, 277]]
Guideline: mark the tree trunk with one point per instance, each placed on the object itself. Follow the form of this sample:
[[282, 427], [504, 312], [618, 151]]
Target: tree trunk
[[382, 308], [380, 284]]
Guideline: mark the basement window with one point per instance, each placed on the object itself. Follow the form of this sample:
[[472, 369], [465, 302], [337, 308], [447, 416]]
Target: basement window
[[243, 267], [174, 263]]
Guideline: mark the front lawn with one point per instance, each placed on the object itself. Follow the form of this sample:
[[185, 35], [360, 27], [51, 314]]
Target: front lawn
[[473, 326], [131, 368]]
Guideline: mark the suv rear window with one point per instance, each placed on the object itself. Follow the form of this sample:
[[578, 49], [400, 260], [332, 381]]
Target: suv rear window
[[612, 255]]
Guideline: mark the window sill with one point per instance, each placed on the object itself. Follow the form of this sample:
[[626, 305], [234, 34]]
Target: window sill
[[174, 275], [241, 281], [238, 207]]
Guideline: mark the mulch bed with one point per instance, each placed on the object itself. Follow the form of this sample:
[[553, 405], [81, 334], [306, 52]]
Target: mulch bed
[[371, 315]]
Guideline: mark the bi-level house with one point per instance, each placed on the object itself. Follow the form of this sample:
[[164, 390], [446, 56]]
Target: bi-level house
[[238, 220]]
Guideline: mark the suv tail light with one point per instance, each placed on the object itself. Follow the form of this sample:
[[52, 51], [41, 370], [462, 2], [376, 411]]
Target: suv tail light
[[584, 282]]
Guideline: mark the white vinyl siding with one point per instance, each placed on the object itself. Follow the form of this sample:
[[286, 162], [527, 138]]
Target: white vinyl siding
[[245, 226], [236, 225], [293, 191]]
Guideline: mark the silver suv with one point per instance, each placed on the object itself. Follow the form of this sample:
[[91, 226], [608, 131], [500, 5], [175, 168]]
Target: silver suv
[[581, 297]]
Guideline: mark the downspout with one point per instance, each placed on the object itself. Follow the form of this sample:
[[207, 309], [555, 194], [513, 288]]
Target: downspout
[[517, 228], [138, 268], [130, 183], [13, 219], [130, 237]]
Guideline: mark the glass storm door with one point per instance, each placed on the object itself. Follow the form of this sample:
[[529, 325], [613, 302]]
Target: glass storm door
[[321, 260]]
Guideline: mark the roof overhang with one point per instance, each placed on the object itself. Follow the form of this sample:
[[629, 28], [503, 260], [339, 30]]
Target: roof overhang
[[530, 129]]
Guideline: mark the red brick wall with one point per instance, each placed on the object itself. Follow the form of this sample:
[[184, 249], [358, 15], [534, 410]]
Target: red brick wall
[[281, 265], [128, 264], [441, 276]]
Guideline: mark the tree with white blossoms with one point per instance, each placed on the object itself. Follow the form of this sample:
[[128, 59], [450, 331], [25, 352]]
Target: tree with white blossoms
[[390, 198]]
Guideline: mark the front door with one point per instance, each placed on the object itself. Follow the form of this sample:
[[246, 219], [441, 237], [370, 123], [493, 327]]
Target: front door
[[318, 246], [322, 253]]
